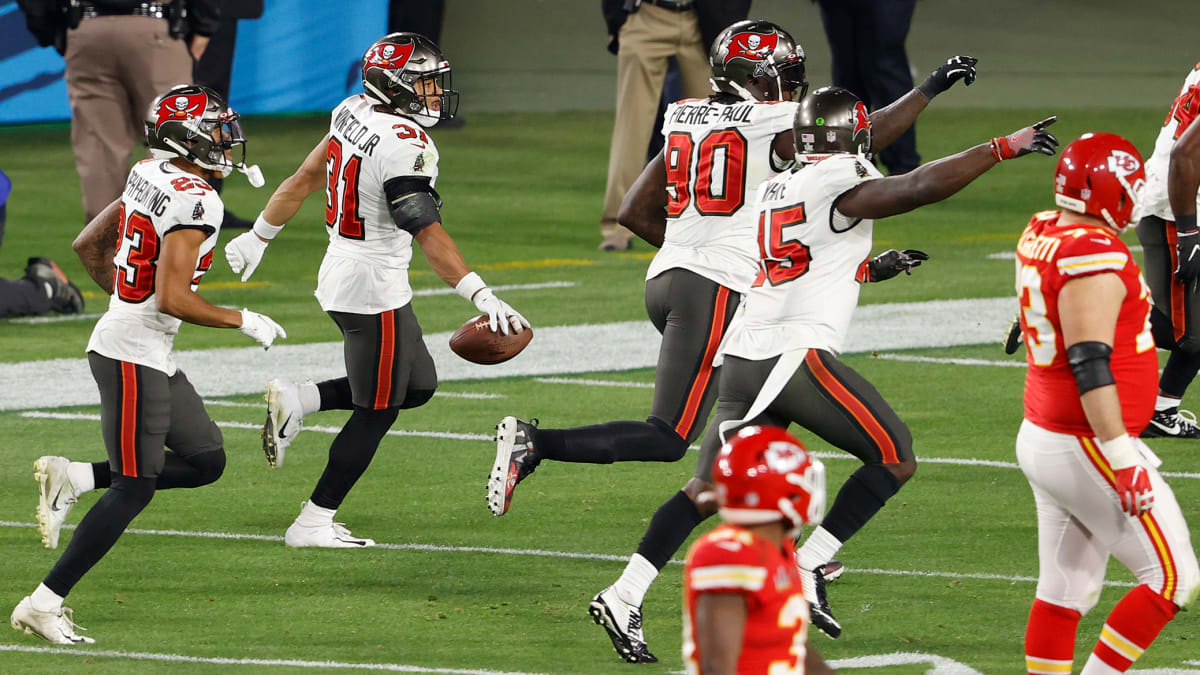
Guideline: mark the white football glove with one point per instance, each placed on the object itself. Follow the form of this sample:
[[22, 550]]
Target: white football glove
[[500, 314], [261, 328], [244, 252]]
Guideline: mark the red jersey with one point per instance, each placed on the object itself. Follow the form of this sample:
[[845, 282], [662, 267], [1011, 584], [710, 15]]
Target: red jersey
[[1048, 256], [731, 559]]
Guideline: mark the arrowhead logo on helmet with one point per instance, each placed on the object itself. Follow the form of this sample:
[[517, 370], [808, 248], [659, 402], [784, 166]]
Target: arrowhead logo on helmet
[[751, 46], [389, 56], [180, 108]]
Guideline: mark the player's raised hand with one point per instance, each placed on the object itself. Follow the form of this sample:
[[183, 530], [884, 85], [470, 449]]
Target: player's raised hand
[[244, 252], [500, 314], [1033, 138], [261, 328], [954, 69], [892, 262], [1133, 487], [1188, 248]]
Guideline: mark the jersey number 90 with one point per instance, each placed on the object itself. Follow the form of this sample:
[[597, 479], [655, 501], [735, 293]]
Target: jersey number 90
[[718, 180]]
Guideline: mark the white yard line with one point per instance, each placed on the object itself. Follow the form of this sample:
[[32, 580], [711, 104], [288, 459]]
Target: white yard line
[[1012, 255], [911, 358], [56, 319], [594, 383], [219, 403], [224, 661], [425, 292]]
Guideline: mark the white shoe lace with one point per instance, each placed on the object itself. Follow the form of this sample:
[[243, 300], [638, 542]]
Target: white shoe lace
[[1186, 419], [66, 616], [340, 530]]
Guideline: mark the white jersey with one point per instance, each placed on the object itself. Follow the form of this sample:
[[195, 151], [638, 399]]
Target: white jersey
[[1155, 200], [159, 198], [365, 270], [811, 261], [716, 155]]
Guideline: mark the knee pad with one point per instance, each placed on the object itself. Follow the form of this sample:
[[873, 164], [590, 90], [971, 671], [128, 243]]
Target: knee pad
[[210, 464], [1081, 601], [1188, 582], [674, 445], [415, 398], [131, 489]]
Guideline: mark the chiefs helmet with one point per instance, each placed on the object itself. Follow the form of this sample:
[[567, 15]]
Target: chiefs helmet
[[756, 49], [193, 122], [390, 71], [1101, 175], [832, 120], [764, 474]]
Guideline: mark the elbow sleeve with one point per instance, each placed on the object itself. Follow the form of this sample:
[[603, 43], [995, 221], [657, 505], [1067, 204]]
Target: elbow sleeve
[[413, 203], [1090, 363]]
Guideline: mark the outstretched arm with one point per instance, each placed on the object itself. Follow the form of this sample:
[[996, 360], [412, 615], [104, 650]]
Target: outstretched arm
[[938, 180], [447, 262], [97, 242], [887, 124], [644, 209]]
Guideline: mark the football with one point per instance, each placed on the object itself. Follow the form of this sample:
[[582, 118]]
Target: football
[[475, 342]]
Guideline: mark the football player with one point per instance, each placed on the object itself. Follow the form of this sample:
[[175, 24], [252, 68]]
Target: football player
[[1089, 391], [378, 167], [692, 201], [163, 229], [744, 610], [1171, 241]]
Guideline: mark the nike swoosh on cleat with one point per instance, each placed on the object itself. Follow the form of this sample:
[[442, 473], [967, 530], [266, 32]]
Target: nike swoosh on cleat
[[284, 426], [54, 504]]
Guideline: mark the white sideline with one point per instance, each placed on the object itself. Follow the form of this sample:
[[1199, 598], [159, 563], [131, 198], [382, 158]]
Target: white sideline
[[219, 403], [456, 436], [594, 383], [542, 553], [223, 661]]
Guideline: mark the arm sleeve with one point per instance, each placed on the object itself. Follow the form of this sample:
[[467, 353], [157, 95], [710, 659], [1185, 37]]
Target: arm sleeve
[[413, 202]]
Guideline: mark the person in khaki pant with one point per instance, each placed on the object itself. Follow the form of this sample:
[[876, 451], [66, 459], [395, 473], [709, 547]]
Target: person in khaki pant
[[652, 32], [119, 58]]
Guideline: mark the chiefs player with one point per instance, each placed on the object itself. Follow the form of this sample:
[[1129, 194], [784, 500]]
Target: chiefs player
[[1171, 240], [744, 608], [1089, 391]]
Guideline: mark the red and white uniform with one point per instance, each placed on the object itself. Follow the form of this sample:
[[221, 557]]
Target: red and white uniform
[[731, 559], [159, 198], [716, 155], [1080, 520], [365, 270], [1155, 201]]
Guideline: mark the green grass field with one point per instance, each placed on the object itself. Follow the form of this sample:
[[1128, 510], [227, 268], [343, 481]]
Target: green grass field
[[944, 571]]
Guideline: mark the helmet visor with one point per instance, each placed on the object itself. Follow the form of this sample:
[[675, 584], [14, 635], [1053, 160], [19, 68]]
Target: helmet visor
[[227, 134], [791, 78]]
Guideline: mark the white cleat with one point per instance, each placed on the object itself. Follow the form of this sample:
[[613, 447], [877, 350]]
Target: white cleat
[[57, 627], [284, 416], [325, 535], [623, 623], [56, 496]]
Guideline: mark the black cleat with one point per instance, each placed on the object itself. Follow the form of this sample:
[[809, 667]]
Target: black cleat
[[822, 616], [1013, 341], [1172, 423], [832, 571], [65, 297], [623, 623]]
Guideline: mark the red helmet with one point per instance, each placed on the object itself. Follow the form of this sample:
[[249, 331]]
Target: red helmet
[[1101, 175], [764, 474]]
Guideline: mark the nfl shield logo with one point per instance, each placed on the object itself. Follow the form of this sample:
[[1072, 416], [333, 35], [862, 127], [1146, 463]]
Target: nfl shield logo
[[831, 136]]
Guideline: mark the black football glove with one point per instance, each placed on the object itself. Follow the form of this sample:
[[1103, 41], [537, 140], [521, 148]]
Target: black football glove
[[1188, 247], [1030, 139], [953, 70], [892, 262], [1013, 342]]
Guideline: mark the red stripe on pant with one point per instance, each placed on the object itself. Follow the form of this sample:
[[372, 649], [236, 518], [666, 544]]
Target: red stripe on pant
[[129, 421], [695, 395], [1178, 308], [858, 409], [387, 355]]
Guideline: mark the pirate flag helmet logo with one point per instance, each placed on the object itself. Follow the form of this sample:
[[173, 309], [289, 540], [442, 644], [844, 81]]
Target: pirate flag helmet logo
[[757, 60]]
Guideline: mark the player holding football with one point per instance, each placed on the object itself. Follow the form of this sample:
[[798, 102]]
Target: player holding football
[[163, 229], [1089, 391], [744, 608], [378, 167], [1171, 241], [693, 201]]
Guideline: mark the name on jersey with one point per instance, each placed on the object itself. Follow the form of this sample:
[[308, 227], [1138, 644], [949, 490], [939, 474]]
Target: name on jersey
[[147, 194], [1037, 247], [706, 114], [354, 132], [775, 190]]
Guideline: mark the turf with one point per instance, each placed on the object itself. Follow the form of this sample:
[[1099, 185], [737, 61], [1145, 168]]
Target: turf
[[523, 192]]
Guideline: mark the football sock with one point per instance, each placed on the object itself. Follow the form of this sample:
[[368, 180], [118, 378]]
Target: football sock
[[82, 477], [818, 549], [861, 497], [194, 471], [101, 475], [99, 530], [310, 397], [45, 600], [350, 454], [312, 515], [631, 587], [611, 442], [1165, 403], [335, 395], [1178, 373], [669, 528], [1131, 627], [1050, 639]]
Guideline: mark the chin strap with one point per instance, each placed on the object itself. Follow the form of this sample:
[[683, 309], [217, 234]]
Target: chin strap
[[252, 173]]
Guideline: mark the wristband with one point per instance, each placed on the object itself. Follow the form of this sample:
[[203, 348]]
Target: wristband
[[1185, 224], [264, 229], [469, 285], [1120, 452], [995, 145], [928, 89]]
